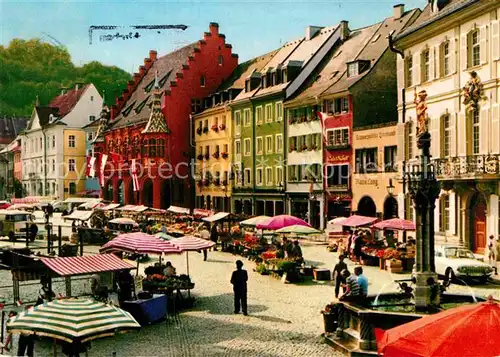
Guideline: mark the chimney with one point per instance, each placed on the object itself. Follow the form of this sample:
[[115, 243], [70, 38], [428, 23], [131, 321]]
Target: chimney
[[148, 63], [153, 55], [142, 70], [137, 78], [76, 87], [344, 30], [214, 28], [63, 90], [312, 31], [398, 11]]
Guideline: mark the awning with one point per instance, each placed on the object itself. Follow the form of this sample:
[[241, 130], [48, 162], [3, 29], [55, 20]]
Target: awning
[[79, 215], [216, 217], [29, 199], [180, 210], [202, 212], [78, 200], [91, 204], [89, 264], [109, 207], [358, 221]]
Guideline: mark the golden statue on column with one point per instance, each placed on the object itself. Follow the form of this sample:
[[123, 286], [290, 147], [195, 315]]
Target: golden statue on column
[[421, 108]]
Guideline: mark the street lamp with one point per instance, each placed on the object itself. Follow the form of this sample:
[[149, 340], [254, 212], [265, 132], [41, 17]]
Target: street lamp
[[390, 188]]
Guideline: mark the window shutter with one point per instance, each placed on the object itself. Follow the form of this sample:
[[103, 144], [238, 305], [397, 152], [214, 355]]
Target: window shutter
[[468, 134], [400, 66], [441, 136], [495, 40], [453, 212], [416, 69], [437, 61], [436, 139], [453, 134], [461, 135], [406, 132], [432, 66], [483, 130], [453, 56], [401, 133], [495, 129], [483, 36], [463, 53]]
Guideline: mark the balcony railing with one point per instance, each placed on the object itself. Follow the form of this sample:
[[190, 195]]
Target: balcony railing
[[335, 145], [467, 167], [338, 188]]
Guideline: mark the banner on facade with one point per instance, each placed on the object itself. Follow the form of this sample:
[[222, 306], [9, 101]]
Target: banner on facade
[[135, 179]]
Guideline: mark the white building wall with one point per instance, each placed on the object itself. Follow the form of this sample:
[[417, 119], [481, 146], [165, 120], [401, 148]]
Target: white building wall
[[89, 104]]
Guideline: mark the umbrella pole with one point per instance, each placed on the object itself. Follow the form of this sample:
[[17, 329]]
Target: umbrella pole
[[187, 262], [55, 347]]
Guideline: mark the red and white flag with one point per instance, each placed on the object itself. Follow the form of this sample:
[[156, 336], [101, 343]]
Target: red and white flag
[[135, 179], [323, 116], [90, 166], [116, 158], [102, 165]]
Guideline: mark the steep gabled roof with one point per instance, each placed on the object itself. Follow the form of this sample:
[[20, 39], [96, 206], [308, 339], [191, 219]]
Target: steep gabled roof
[[43, 114], [137, 108], [67, 101]]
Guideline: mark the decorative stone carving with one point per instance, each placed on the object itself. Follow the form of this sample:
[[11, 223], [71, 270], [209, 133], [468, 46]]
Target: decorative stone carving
[[473, 92], [421, 108]]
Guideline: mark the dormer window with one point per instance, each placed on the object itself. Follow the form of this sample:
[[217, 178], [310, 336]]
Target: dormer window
[[284, 75], [353, 69], [247, 86]]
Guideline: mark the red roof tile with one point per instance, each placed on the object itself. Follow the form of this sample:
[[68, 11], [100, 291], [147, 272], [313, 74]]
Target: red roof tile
[[66, 102]]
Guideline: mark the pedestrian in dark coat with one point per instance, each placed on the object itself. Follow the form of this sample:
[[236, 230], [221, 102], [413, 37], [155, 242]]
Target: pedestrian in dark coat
[[239, 280], [214, 235], [337, 272]]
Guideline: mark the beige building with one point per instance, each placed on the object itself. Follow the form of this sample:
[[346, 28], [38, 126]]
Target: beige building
[[452, 52], [375, 183]]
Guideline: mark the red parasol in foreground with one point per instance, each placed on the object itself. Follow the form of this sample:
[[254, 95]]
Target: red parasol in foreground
[[465, 331], [396, 224], [281, 221]]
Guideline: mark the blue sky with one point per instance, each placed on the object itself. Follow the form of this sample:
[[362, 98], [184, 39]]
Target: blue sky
[[252, 27]]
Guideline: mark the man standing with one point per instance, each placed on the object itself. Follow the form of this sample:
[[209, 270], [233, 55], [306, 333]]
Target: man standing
[[337, 274], [204, 234], [492, 252], [239, 280], [362, 281]]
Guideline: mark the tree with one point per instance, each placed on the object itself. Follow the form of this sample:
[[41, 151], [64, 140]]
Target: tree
[[31, 67]]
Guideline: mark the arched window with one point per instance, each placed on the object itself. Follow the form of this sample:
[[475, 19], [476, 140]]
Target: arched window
[[161, 148], [221, 60], [202, 81], [152, 147], [144, 150]]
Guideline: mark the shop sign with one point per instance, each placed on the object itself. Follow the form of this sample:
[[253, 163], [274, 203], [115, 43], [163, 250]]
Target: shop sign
[[380, 135], [367, 182], [337, 158]]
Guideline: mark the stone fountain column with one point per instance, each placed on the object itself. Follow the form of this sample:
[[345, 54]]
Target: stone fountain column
[[424, 190]]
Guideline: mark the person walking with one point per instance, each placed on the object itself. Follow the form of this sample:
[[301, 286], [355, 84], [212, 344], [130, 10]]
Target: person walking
[[337, 274], [214, 235], [239, 281], [205, 234]]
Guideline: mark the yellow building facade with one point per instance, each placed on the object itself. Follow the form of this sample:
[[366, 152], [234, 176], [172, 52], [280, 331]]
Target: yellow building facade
[[74, 161], [213, 139]]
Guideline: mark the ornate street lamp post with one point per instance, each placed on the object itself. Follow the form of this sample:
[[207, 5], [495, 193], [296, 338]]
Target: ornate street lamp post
[[424, 189]]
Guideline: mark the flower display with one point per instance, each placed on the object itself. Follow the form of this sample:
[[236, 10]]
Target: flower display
[[215, 128], [199, 131], [224, 155], [268, 255], [222, 127]]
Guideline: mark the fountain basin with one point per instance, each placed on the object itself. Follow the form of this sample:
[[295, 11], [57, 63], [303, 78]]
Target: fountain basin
[[355, 334]]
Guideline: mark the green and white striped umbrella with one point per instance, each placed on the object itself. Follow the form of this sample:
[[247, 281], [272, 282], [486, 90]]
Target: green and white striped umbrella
[[73, 320]]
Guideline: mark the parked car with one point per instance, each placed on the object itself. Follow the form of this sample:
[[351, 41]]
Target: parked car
[[455, 262]]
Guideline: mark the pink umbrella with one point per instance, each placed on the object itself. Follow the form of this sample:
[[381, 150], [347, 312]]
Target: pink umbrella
[[189, 244], [282, 221], [140, 243], [396, 224]]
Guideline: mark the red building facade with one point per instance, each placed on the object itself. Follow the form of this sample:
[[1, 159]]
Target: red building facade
[[166, 88], [338, 155]]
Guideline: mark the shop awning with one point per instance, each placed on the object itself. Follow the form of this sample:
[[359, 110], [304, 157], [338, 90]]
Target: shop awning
[[28, 199], [78, 200], [109, 207], [216, 217], [126, 208], [179, 210], [90, 204], [79, 215], [90, 264], [198, 212], [358, 221]]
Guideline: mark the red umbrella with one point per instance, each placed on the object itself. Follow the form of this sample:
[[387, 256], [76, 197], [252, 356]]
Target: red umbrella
[[139, 243], [358, 221], [466, 331], [189, 244], [282, 221], [396, 224]]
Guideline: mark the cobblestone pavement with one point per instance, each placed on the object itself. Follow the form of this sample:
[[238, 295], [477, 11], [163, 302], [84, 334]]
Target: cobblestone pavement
[[284, 318]]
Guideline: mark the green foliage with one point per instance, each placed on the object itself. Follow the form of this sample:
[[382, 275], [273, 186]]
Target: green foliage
[[31, 67], [261, 269], [286, 265]]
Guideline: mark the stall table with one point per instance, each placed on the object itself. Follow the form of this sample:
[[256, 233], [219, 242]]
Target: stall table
[[147, 311]]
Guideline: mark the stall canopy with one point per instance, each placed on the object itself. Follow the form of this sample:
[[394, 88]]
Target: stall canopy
[[134, 208], [79, 215], [178, 210], [29, 199], [78, 200], [198, 212], [91, 204], [109, 207], [216, 217], [90, 264], [358, 221]]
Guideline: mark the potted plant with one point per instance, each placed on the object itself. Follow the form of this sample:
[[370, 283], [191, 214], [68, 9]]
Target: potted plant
[[200, 157], [217, 181], [330, 318], [261, 269], [207, 156], [312, 147], [292, 148], [205, 129], [292, 120], [199, 130], [222, 127], [225, 155], [303, 147], [215, 127], [224, 183], [216, 155], [206, 182]]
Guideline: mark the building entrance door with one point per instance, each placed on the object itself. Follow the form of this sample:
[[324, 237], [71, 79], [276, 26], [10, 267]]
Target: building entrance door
[[478, 223]]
